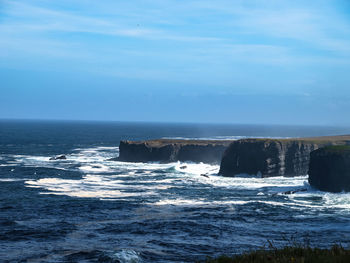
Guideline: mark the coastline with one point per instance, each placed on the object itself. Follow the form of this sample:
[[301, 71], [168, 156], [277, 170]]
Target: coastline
[[264, 157]]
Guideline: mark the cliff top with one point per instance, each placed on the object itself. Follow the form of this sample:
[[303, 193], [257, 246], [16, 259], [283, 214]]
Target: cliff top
[[316, 140], [339, 149], [162, 142]]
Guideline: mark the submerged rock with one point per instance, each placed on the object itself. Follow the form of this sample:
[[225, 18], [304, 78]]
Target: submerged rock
[[59, 157], [329, 168], [294, 191]]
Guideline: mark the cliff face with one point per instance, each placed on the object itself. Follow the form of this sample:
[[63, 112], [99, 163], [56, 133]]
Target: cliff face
[[262, 157], [273, 157], [172, 151], [329, 169]]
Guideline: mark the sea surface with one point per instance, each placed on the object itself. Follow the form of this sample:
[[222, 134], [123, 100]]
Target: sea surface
[[89, 209]]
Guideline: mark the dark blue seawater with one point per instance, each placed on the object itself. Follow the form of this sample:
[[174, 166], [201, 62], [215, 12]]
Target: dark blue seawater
[[88, 209]]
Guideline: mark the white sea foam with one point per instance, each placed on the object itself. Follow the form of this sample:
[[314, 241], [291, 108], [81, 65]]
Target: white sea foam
[[127, 256], [12, 179], [339, 200], [325, 200], [86, 187], [144, 166], [202, 202], [115, 180], [272, 183], [90, 160], [95, 168], [32, 158], [198, 202], [96, 149], [197, 168], [40, 161]]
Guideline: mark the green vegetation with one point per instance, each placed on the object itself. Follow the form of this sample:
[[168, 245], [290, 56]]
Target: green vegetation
[[323, 140], [337, 148], [336, 254], [164, 142]]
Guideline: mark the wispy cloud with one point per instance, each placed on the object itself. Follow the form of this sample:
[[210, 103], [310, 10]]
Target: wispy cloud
[[170, 38], [40, 19]]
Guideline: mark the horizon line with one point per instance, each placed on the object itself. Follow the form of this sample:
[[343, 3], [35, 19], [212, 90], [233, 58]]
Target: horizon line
[[172, 122]]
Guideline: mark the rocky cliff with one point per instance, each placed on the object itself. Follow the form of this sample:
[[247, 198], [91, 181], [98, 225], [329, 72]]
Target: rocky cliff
[[329, 169], [167, 150], [273, 157]]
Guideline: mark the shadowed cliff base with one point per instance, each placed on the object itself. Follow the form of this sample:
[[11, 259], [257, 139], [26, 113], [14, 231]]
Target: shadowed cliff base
[[329, 168]]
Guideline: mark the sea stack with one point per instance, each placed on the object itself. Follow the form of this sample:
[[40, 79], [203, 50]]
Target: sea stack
[[329, 168], [273, 157]]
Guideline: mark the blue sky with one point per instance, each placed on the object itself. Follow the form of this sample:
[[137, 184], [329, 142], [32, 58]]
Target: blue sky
[[244, 61]]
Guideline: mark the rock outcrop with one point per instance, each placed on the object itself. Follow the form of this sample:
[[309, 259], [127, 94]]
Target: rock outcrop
[[273, 157], [167, 150], [329, 168], [59, 157], [261, 157]]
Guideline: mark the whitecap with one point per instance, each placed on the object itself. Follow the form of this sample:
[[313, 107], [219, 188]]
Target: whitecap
[[98, 168], [89, 186], [196, 168], [12, 179], [198, 202], [274, 183], [127, 256], [32, 158]]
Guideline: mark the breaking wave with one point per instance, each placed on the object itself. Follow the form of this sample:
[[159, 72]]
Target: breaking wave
[[154, 210], [155, 182]]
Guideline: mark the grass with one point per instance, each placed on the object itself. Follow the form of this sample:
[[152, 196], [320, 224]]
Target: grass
[[337, 148], [323, 140], [164, 142], [289, 254]]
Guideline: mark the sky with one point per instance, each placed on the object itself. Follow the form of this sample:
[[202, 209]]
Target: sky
[[222, 61]]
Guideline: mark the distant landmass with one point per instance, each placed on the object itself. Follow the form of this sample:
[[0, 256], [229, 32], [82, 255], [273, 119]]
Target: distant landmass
[[260, 157]]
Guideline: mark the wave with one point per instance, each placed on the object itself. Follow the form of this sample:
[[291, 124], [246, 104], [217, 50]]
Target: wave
[[127, 256], [90, 186], [196, 168], [198, 202], [13, 179], [319, 199], [95, 168], [188, 184]]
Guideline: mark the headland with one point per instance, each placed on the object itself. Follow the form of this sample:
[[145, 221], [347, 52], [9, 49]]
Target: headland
[[261, 157]]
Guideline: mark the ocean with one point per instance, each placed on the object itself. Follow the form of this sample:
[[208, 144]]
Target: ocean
[[89, 209]]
